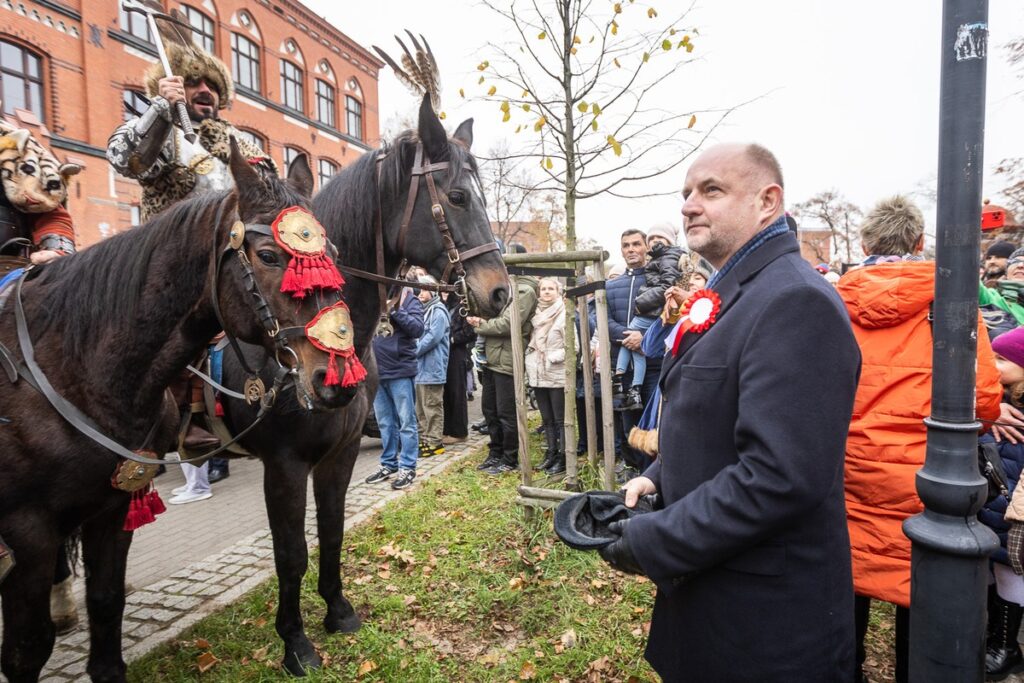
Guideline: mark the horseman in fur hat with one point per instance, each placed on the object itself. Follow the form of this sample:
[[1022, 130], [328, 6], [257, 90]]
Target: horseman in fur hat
[[152, 150]]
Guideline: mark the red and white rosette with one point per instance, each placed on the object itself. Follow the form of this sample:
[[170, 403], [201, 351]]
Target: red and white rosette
[[698, 313]]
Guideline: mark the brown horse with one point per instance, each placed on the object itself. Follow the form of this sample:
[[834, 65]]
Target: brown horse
[[112, 327], [373, 194]]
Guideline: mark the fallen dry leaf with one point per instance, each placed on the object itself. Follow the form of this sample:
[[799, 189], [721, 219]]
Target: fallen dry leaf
[[528, 672], [515, 583], [568, 638], [202, 643], [409, 600], [598, 583], [260, 654], [206, 662], [366, 667]]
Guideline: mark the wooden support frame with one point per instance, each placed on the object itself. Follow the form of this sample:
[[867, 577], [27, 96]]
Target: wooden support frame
[[530, 495]]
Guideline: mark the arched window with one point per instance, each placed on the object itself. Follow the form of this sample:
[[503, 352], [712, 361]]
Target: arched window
[[290, 153], [204, 32], [354, 117], [291, 86], [325, 170], [253, 138], [21, 79], [245, 63], [325, 103], [135, 104]]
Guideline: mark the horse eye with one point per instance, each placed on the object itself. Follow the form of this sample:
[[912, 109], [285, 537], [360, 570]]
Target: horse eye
[[457, 197], [268, 257], [28, 169]]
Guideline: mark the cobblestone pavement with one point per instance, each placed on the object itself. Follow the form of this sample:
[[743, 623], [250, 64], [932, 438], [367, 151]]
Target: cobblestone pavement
[[191, 563]]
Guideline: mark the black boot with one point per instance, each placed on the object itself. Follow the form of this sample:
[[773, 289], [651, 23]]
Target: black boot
[[552, 450], [1003, 656], [558, 463]]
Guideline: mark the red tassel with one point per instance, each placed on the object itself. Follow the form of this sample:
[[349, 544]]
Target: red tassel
[[332, 373], [354, 370], [143, 509], [292, 282], [218, 408], [156, 503]]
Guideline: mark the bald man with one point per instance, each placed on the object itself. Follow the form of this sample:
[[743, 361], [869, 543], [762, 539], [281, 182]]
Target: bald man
[[750, 552]]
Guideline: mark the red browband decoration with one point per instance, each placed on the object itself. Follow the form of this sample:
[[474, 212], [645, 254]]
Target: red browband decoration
[[302, 236], [331, 331]]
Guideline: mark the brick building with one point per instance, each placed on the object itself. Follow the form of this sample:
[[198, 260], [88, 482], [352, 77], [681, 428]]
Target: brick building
[[71, 69], [815, 244]]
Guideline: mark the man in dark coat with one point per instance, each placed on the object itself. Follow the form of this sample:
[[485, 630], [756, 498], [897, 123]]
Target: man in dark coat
[[456, 408], [750, 552]]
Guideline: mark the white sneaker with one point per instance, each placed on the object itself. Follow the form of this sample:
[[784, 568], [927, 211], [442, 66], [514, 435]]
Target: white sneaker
[[183, 498], [180, 490]]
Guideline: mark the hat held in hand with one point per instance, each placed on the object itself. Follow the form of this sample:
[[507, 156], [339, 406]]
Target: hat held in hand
[[581, 521]]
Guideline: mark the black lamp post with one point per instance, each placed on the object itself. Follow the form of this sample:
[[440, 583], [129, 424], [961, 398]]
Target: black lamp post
[[949, 560]]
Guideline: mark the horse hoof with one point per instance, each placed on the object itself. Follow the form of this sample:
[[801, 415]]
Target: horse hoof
[[298, 665], [349, 624]]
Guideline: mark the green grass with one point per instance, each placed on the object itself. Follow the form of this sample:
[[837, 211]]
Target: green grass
[[452, 584]]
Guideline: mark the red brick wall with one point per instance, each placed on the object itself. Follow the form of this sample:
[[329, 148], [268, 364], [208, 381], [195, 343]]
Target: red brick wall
[[86, 68]]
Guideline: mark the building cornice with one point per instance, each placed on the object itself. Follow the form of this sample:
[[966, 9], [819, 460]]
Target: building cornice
[[299, 116], [323, 25]]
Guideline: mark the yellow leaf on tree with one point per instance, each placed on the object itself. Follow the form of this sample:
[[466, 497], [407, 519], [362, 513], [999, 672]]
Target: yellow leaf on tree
[[666, 45], [540, 123], [617, 8], [504, 106], [572, 50], [651, 12], [526, 107], [671, 31], [442, 116], [693, 120], [615, 61], [548, 164], [480, 81], [615, 28], [519, 128], [614, 144], [493, 89], [689, 47], [542, 35], [686, 38], [525, 93], [505, 118], [593, 124], [583, 107], [591, 40], [462, 93], [482, 65], [576, 40], [596, 109], [647, 56]]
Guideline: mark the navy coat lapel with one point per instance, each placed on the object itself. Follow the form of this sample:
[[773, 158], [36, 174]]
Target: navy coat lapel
[[730, 288]]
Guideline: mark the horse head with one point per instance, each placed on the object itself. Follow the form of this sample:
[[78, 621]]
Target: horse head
[[449, 194], [263, 302]]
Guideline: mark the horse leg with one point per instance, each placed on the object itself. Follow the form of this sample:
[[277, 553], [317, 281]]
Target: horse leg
[[25, 597], [284, 487], [105, 547], [330, 484]]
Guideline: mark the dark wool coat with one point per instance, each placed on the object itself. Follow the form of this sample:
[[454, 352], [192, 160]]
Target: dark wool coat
[[621, 296], [396, 355], [750, 554], [991, 515], [660, 273]]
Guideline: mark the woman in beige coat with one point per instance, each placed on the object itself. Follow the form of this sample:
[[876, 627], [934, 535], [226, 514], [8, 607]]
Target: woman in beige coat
[[545, 370]]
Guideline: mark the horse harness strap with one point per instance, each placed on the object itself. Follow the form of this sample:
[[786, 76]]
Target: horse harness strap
[[421, 168]]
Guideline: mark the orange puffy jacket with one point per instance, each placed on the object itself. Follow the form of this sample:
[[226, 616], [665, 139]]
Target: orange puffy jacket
[[888, 305]]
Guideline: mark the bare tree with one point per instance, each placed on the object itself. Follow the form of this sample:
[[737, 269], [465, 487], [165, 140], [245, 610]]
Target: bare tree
[[831, 210], [1012, 169], [515, 205]]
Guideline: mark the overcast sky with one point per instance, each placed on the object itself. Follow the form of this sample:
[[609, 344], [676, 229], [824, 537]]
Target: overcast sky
[[851, 89]]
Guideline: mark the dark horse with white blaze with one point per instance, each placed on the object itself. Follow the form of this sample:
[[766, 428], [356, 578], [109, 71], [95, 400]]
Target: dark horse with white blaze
[[374, 193], [112, 327]]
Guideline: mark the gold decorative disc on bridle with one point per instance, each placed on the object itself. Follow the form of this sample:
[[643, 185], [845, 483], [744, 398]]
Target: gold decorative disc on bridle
[[130, 476], [297, 231], [332, 329]]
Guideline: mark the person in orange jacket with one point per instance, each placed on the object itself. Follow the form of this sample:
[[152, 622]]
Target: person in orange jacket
[[889, 300]]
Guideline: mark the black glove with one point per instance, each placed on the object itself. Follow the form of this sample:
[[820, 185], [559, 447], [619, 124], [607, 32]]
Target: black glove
[[618, 553]]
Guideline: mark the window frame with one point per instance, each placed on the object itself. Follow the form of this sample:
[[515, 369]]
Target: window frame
[[200, 33], [137, 98], [129, 21], [292, 84], [321, 179], [257, 139], [351, 112], [253, 62], [329, 100], [28, 80]]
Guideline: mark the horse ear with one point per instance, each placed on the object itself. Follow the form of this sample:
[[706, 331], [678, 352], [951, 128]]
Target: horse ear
[[241, 170], [300, 176], [464, 133], [432, 133]]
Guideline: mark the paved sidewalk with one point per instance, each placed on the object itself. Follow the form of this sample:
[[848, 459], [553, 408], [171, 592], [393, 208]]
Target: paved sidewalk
[[191, 562]]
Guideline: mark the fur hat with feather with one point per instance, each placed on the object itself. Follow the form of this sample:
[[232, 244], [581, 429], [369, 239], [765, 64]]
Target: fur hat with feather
[[188, 60]]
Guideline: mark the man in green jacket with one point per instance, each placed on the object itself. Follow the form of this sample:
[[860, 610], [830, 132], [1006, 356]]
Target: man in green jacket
[[992, 296], [498, 397]]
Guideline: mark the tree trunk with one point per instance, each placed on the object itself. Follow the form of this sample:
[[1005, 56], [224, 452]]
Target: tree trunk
[[570, 229]]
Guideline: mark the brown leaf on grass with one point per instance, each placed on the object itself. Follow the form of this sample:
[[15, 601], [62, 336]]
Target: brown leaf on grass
[[515, 583], [528, 672], [408, 600], [202, 643], [568, 638], [391, 588], [537, 654], [206, 662], [490, 660], [362, 580], [260, 654], [366, 667], [384, 574], [589, 599], [598, 583], [600, 665]]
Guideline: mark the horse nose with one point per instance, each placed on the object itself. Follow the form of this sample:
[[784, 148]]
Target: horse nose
[[499, 297], [333, 396]]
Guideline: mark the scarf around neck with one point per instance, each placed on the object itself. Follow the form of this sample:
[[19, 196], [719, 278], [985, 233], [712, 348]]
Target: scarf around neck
[[544, 320]]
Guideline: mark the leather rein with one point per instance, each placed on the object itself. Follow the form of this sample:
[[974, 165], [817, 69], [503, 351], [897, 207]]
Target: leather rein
[[255, 392], [423, 169]]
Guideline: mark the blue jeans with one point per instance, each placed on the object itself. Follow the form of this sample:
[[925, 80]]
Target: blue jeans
[[639, 359], [395, 408]]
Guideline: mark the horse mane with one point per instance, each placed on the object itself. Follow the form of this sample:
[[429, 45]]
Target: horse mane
[[348, 202], [103, 286]]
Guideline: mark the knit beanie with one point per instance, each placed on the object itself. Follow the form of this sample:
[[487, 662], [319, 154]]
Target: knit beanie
[[1011, 346], [1016, 257], [666, 230], [1000, 249]]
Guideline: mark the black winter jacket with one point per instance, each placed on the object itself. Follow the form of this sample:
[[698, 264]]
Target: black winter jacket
[[661, 272]]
